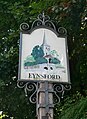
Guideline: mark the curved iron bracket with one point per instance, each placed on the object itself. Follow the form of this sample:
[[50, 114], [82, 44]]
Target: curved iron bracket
[[59, 90], [29, 87]]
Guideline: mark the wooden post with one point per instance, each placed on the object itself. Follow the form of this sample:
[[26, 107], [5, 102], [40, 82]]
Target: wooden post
[[45, 101]]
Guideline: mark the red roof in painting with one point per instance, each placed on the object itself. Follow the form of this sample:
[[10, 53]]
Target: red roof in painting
[[48, 56]]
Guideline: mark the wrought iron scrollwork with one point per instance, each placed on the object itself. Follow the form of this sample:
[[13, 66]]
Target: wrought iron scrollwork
[[59, 90], [62, 31], [29, 87], [24, 27], [21, 84], [67, 87], [43, 20]]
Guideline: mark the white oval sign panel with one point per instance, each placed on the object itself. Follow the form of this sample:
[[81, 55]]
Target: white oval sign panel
[[43, 57]]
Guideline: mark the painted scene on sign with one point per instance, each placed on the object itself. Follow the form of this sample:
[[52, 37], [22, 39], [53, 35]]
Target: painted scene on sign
[[45, 58]]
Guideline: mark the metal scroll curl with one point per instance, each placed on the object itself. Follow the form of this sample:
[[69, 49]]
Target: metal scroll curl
[[21, 84], [24, 27], [62, 31], [29, 87], [43, 20], [59, 90], [67, 87], [43, 17]]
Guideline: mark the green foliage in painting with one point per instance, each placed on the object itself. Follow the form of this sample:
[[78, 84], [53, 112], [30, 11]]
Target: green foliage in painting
[[54, 61], [36, 57], [41, 60], [37, 52]]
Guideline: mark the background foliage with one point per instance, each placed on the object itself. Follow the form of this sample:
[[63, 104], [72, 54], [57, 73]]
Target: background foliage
[[71, 14]]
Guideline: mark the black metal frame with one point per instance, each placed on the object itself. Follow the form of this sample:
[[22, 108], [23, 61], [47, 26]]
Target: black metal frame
[[58, 89]]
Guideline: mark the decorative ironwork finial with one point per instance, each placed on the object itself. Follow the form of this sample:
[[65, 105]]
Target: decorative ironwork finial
[[43, 20], [43, 16]]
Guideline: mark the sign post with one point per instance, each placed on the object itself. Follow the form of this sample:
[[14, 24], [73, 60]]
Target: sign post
[[43, 64], [45, 104]]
